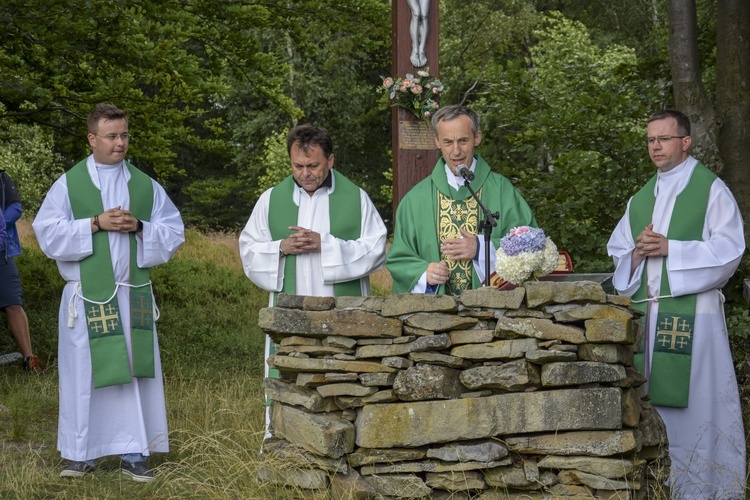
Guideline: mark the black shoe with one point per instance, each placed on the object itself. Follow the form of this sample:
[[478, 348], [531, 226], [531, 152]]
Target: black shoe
[[138, 471], [77, 469]]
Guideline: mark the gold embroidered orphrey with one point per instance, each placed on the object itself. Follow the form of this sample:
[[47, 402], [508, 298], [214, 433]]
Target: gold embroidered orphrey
[[452, 215], [674, 333], [104, 318], [141, 311]]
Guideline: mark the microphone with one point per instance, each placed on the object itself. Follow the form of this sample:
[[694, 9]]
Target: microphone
[[464, 172]]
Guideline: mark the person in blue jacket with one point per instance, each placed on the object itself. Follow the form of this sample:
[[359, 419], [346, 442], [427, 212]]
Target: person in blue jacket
[[11, 293]]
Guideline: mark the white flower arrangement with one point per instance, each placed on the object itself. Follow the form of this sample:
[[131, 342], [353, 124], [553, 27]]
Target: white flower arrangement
[[525, 252]]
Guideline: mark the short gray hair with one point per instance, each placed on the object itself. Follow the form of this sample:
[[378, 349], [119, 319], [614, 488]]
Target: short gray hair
[[453, 111]]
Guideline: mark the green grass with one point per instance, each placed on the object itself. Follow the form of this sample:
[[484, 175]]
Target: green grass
[[216, 429], [212, 352]]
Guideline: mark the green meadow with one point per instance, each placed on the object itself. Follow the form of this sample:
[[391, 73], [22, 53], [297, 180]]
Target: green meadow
[[212, 352]]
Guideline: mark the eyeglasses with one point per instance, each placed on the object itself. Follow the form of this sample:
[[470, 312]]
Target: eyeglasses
[[113, 137], [662, 139]]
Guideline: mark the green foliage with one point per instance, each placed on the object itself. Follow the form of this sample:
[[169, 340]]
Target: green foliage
[[189, 74], [206, 84], [327, 56], [566, 123], [26, 153], [217, 202], [163, 62], [636, 24], [737, 314], [738, 321], [581, 127], [477, 40], [386, 190], [336, 52], [227, 304], [276, 160]]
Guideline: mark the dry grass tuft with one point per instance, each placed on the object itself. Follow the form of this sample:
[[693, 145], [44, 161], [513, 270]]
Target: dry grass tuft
[[381, 283], [26, 233]]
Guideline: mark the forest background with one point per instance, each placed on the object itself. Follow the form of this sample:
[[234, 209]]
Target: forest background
[[563, 87]]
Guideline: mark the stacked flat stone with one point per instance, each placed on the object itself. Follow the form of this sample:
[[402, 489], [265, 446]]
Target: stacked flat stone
[[525, 393]]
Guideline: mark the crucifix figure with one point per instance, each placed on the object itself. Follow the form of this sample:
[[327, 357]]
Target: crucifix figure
[[418, 29], [414, 152]]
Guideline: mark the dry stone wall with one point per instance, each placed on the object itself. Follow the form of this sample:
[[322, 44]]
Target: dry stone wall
[[526, 393]]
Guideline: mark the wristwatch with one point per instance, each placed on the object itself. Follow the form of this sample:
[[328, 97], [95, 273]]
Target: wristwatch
[[139, 229]]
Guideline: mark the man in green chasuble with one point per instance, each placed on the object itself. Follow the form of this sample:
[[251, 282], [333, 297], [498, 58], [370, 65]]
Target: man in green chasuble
[[436, 243]]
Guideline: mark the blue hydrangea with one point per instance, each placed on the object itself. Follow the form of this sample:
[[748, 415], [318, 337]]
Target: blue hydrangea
[[532, 240]]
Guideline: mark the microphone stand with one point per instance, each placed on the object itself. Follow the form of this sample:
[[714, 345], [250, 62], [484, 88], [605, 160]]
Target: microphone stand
[[490, 221]]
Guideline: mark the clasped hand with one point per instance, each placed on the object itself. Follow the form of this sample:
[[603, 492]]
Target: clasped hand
[[463, 248], [118, 220], [301, 241], [650, 243]]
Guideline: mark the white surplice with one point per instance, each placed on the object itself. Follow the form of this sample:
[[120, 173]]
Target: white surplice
[[706, 439], [129, 418], [316, 273]]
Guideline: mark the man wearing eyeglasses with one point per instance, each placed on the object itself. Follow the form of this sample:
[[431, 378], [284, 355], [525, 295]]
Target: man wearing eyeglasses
[[680, 241], [106, 223]]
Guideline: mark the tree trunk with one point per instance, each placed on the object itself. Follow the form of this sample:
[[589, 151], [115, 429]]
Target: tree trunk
[[689, 94], [733, 96]]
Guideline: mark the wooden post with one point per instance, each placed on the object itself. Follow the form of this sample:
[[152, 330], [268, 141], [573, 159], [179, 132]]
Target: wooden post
[[414, 152]]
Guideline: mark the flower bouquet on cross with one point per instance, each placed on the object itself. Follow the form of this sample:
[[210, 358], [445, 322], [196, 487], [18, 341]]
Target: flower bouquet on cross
[[416, 94], [525, 253]]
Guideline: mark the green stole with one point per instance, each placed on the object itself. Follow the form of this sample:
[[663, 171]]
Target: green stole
[[416, 241], [109, 356], [345, 216], [669, 383]]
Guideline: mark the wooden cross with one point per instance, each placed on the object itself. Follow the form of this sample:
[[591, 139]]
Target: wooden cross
[[414, 152]]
